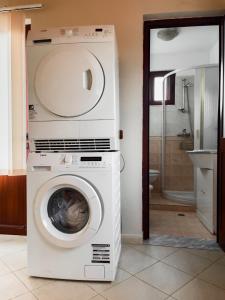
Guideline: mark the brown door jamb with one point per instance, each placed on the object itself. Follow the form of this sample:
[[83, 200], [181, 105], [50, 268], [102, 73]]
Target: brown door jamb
[[221, 149], [185, 22]]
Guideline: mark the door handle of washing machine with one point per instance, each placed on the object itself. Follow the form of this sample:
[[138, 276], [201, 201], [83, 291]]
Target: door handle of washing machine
[[87, 79]]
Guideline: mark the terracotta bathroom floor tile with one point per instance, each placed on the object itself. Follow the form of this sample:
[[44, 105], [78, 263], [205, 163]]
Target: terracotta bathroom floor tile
[[171, 223]]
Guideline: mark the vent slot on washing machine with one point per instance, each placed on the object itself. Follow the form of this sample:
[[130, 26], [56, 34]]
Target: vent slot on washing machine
[[72, 145], [101, 253]]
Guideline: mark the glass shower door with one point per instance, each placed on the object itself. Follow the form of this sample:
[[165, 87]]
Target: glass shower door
[[177, 138]]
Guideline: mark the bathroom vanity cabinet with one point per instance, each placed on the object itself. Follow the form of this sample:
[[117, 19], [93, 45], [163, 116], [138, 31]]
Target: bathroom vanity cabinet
[[206, 187]]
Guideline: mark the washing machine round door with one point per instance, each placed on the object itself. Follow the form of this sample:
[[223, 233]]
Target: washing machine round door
[[69, 81], [68, 211]]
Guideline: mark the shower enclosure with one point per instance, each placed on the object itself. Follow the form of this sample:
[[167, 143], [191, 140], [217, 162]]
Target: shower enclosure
[[187, 125]]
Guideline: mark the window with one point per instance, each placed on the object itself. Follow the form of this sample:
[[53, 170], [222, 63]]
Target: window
[[156, 88], [12, 94]]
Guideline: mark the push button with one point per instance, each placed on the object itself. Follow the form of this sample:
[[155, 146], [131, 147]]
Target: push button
[[68, 159]]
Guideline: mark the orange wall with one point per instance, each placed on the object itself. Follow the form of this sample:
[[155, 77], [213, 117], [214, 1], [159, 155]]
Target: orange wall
[[128, 19]]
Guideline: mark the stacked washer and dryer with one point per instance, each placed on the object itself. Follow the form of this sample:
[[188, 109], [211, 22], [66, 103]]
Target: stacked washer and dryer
[[73, 187]]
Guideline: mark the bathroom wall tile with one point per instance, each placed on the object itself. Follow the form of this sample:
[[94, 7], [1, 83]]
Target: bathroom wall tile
[[179, 174]]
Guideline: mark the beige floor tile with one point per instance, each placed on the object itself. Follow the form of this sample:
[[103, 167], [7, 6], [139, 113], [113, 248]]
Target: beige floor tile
[[164, 277], [134, 261], [15, 261], [152, 276], [31, 282], [199, 290], [133, 289], [102, 286], [215, 274], [170, 223], [27, 296], [222, 260], [4, 269], [64, 290], [12, 246], [10, 287], [189, 263], [211, 255], [98, 297], [5, 237], [158, 252]]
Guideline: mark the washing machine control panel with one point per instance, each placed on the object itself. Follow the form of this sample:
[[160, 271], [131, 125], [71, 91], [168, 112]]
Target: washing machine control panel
[[71, 161], [85, 161]]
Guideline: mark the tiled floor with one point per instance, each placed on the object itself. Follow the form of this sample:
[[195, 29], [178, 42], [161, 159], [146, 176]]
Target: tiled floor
[[158, 202], [145, 272], [170, 223]]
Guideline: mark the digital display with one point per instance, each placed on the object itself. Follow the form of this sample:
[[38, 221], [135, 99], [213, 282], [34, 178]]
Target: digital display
[[91, 158], [98, 30]]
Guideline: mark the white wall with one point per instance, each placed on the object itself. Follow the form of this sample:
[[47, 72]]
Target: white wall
[[206, 90], [4, 96], [214, 54], [160, 62], [199, 76], [211, 108]]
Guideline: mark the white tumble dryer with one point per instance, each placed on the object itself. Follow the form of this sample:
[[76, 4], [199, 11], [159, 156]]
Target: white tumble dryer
[[73, 85], [73, 204]]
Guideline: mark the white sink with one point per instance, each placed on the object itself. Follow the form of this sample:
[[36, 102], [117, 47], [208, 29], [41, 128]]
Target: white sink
[[204, 159]]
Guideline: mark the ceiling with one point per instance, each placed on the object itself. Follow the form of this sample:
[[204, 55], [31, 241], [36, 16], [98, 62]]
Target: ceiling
[[196, 38]]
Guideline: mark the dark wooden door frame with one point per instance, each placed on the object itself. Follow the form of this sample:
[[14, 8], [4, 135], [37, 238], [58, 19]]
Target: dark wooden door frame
[[221, 147], [181, 22]]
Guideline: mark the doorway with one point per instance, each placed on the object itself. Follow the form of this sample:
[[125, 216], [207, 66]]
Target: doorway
[[173, 53]]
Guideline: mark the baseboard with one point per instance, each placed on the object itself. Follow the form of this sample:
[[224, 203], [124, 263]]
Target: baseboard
[[13, 229], [132, 238]]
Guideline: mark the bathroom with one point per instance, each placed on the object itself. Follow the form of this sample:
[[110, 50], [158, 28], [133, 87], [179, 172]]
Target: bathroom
[[183, 114]]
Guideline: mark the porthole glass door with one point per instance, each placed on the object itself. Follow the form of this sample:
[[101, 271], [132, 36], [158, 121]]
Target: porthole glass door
[[68, 211], [69, 81]]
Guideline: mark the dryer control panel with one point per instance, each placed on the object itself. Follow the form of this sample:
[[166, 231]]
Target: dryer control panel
[[98, 33]]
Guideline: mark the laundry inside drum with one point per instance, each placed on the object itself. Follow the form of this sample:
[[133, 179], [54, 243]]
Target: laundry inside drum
[[68, 210]]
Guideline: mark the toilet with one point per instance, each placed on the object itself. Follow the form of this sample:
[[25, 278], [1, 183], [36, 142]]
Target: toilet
[[153, 175]]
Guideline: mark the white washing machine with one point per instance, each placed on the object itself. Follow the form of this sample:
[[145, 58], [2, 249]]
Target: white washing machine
[[73, 86], [74, 215]]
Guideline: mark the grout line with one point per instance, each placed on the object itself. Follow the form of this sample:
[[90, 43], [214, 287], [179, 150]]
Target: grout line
[[152, 286], [98, 294], [159, 259], [194, 276], [21, 281], [197, 277], [28, 289], [190, 274], [14, 298], [119, 283]]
